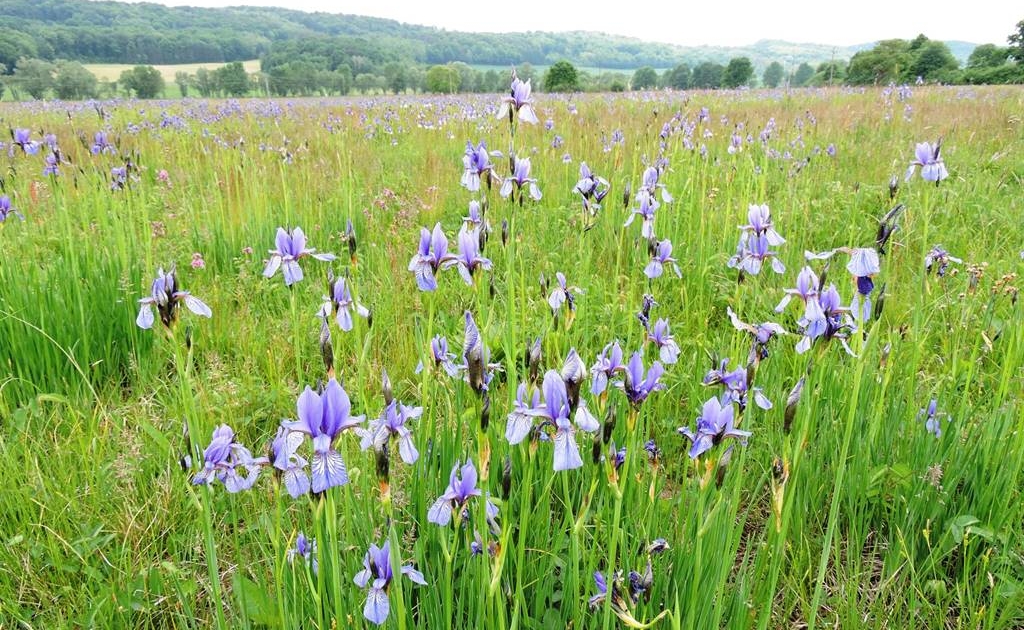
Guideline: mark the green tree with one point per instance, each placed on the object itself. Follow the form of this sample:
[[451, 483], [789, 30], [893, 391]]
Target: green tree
[[15, 46], [442, 80], [35, 76], [184, 80], [3, 72], [988, 56], [708, 75], [802, 75], [773, 74], [73, 82], [886, 62], [644, 78], [366, 83], [142, 81], [934, 62], [396, 76], [738, 72], [1016, 42], [562, 77], [204, 82], [829, 73], [678, 78], [231, 79]]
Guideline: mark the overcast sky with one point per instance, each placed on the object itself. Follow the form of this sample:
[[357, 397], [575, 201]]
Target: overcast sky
[[695, 22]]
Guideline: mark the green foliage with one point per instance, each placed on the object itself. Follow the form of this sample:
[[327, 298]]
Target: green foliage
[[442, 80], [707, 75], [803, 75], [829, 73], [933, 62], [988, 56], [35, 77], [232, 80], [887, 62], [644, 79], [14, 46], [678, 78], [184, 81], [738, 72], [1016, 42], [143, 82], [773, 75], [561, 77], [74, 82]]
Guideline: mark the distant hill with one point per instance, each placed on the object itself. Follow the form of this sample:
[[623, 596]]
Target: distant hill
[[114, 32]]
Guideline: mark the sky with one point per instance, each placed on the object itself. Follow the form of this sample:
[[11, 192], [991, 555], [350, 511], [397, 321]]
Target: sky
[[735, 23]]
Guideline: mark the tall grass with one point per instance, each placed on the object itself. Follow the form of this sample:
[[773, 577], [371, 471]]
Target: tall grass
[[854, 517]]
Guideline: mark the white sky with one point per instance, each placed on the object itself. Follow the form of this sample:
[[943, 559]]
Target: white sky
[[692, 23]]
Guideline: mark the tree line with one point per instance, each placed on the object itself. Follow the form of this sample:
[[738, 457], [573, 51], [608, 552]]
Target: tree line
[[333, 66]]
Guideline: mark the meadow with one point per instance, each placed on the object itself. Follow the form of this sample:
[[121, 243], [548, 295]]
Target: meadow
[[236, 457]]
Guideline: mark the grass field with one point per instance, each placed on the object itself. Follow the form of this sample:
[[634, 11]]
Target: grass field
[[112, 71], [848, 505]]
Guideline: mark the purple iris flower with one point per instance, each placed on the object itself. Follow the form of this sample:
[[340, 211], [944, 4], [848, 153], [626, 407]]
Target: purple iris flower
[[555, 412], [304, 548], [457, 495], [6, 209], [222, 459], [648, 206], [937, 258], [863, 266], [377, 573], [826, 318], [608, 363], [928, 158], [563, 294], [668, 349], [636, 384], [714, 424], [736, 387], [340, 303], [284, 457], [651, 183], [762, 333], [22, 138], [51, 165], [759, 221], [118, 177], [477, 165], [662, 256], [932, 418], [324, 417], [518, 102], [431, 255], [806, 289], [442, 357], [468, 260], [101, 144], [291, 246], [521, 180], [592, 188], [165, 295], [524, 411], [752, 252], [392, 423], [474, 220]]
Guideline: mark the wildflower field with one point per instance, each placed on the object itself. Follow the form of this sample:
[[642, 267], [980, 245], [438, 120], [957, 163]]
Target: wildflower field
[[743, 359]]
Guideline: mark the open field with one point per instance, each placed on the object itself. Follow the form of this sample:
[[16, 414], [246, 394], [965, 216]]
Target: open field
[[817, 490], [112, 71]]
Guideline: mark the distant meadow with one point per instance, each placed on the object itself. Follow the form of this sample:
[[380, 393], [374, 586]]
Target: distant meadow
[[661, 359]]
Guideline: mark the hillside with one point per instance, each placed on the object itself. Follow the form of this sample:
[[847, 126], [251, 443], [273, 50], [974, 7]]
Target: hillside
[[114, 32]]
